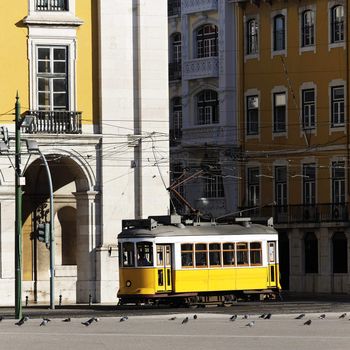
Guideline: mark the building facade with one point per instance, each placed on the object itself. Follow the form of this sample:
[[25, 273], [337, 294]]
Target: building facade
[[203, 118], [86, 82], [293, 83]]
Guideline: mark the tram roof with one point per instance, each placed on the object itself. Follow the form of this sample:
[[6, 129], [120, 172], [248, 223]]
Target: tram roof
[[200, 230]]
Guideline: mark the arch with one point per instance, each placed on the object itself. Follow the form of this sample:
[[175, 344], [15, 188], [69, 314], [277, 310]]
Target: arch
[[339, 253], [311, 252]]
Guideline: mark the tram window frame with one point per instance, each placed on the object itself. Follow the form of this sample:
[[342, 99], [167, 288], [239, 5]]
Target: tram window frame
[[212, 252], [242, 250], [144, 252], [227, 250], [129, 256], [187, 252], [201, 253], [253, 251]]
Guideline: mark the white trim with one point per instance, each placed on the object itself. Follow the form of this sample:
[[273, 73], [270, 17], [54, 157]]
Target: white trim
[[245, 20], [307, 86], [272, 16], [277, 89], [342, 44], [334, 83], [301, 10], [252, 92], [52, 37]]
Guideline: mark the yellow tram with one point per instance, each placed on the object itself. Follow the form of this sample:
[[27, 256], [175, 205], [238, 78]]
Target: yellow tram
[[161, 259]]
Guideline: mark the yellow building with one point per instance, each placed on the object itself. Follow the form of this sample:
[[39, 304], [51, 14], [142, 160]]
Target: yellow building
[[93, 105], [293, 81]]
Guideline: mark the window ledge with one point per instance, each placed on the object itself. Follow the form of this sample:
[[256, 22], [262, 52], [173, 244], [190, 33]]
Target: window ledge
[[336, 44], [53, 18]]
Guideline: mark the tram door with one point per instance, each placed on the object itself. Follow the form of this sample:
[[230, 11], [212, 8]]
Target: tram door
[[271, 263], [164, 268]]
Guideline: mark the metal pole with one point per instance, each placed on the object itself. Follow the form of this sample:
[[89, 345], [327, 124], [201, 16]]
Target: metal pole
[[52, 235], [18, 219]]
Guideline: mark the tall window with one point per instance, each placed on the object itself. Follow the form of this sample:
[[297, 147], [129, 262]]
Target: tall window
[[253, 186], [252, 37], [309, 184], [308, 28], [214, 186], [311, 253], [337, 24], [176, 43], [279, 112], [176, 119], [52, 79], [279, 33], [308, 108], [340, 253], [207, 41], [52, 5], [338, 106], [252, 115], [207, 107], [338, 182], [281, 185]]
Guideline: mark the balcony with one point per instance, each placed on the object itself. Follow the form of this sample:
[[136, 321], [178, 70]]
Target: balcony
[[302, 214], [53, 122], [174, 8], [175, 71], [199, 68], [51, 5], [209, 135], [193, 6]]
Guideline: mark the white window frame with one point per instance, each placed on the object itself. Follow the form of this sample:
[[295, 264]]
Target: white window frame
[[303, 87], [252, 93], [33, 11], [340, 126], [274, 52], [332, 45], [276, 90], [253, 187], [257, 54], [339, 182], [302, 10]]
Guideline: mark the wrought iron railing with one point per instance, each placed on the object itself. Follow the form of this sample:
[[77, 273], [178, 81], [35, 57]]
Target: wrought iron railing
[[294, 214], [175, 71], [53, 122], [52, 5]]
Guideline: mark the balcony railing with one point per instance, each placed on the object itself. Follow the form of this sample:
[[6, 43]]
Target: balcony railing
[[175, 71], [174, 8], [302, 214], [52, 5], [53, 122], [193, 6], [199, 68]]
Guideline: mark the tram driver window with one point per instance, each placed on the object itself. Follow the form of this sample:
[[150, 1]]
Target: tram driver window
[[255, 253], [242, 253], [229, 254], [144, 253], [187, 255], [128, 254]]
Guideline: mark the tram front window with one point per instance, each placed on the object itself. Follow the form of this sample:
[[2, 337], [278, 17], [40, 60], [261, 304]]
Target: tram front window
[[144, 253], [128, 255]]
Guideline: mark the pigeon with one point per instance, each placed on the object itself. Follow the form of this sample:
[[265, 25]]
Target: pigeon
[[262, 316], [300, 317], [96, 319], [185, 320], [44, 322], [342, 315], [250, 324], [267, 317], [195, 317], [1, 318], [233, 318], [245, 317], [88, 322], [322, 317], [124, 318], [172, 318], [47, 319], [66, 320], [307, 323]]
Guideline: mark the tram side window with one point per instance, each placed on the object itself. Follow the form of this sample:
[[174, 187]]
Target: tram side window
[[144, 253], [214, 254], [187, 255], [201, 255], [255, 253], [242, 253], [229, 254], [128, 254]]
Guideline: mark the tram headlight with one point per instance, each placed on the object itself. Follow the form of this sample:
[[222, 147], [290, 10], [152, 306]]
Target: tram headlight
[[128, 283]]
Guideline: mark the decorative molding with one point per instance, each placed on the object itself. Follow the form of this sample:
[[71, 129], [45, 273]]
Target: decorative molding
[[207, 67], [192, 6]]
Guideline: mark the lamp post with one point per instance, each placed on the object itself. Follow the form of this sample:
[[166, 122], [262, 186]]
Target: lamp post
[[18, 219]]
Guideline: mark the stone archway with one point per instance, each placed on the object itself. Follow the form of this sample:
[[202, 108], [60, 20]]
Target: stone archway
[[72, 206]]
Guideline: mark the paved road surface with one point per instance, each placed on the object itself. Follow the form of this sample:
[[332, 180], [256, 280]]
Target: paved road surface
[[209, 331]]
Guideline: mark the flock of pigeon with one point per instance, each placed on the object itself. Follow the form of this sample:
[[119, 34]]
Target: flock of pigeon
[[233, 318]]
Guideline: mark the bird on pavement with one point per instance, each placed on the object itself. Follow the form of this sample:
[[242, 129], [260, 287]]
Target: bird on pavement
[[322, 317], [233, 318], [195, 317], [172, 318], [300, 317], [245, 317], [267, 317], [185, 320], [44, 322], [96, 319], [250, 324], [124, 318], [66, 320], [307, 323], [262, 316], [1, 318], [88, 322], [342, 315]]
